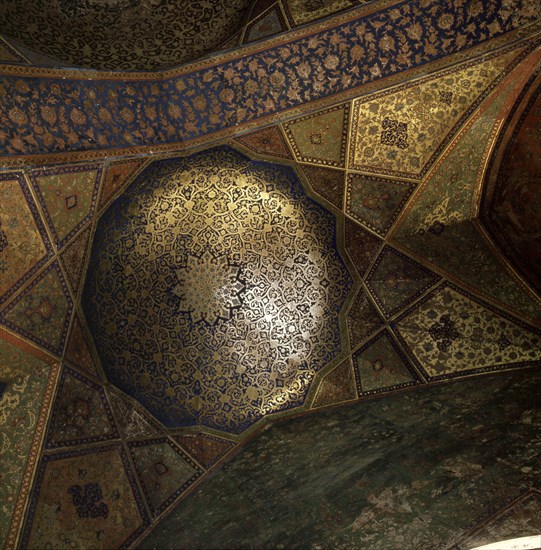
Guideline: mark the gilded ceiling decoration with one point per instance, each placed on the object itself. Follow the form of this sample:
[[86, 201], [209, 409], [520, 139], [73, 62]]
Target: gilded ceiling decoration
[[127, 35], [343, 257], [28, 382], [69, 483], [24, 244], [229, 93], [214, 290], [449, 332], [404, 133]]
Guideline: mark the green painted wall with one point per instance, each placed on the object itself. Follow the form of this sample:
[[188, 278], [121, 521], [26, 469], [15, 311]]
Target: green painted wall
[[411, 471]]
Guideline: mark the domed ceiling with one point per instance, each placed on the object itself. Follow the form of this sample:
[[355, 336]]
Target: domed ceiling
[[330, 178], [214, 290], [122, 34]]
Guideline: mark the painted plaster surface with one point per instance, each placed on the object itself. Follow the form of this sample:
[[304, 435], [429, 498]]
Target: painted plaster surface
[[24, 379], [58, 114], [514, 216], [215, 289], [440, 219], [411, 471], [123, 34]]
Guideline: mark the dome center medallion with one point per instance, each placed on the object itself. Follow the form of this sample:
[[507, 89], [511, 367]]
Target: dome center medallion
[[209, 288]]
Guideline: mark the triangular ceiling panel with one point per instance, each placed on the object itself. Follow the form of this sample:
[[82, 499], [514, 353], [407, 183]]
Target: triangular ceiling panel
[[164, 470], [396, 280], [380, 366], [24, 244], [68, 196], [361, 245], [267, 24], [326, 182], [27, 383], [449, 333], [268, 141], [73, 259], [132, 422], [81, 413], [87, 496], [320, 138], [115, 176], [376, 202], [401, 132], [206, 449], [337, 387], [363, 319], [78, 349], [42, 311]]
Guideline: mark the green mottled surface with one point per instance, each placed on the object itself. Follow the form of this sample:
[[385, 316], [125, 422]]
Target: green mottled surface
[[411, 471]]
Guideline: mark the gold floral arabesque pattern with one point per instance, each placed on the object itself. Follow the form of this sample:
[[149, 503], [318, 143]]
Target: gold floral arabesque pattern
[[400, 132], [284, 280], [209, 288], [26, 379], [22, 249], [450, 333], [130, 35]]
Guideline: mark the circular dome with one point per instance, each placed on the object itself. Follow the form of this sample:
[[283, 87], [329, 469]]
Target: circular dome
[[214, 290], [122, 34]]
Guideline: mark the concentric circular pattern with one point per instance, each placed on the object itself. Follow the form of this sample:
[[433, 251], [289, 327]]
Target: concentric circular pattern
[[214, 290], [122, 34]]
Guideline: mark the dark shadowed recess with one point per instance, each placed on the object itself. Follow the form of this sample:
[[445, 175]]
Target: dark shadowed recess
[[512, 203]]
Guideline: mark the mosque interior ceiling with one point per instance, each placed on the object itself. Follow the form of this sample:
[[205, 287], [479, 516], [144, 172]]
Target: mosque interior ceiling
[[241, 239]]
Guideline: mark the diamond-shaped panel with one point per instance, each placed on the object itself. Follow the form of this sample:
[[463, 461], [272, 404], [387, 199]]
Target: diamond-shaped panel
[[24, 244], [42, 311]]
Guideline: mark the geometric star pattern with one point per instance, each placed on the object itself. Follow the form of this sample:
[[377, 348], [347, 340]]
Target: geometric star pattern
[[75, 480]]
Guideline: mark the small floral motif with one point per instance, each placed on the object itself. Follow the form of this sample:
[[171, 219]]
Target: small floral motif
[[446, 97], [171, 110], [394, 133], [87, 501], [444, 332], [503, 342]]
